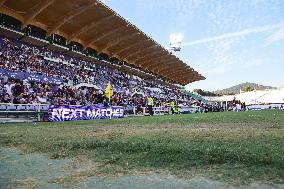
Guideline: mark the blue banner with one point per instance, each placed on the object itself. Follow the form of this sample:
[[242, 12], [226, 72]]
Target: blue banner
[[31, 77], [68, 113]]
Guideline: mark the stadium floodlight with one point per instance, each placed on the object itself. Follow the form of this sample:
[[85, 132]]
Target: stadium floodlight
[[176, 47], [175, 42]]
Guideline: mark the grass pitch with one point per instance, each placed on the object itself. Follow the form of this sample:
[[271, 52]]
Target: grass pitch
[[236, 147]]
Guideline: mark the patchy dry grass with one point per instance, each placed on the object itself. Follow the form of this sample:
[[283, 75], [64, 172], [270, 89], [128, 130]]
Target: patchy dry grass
[[236, 147], [28, 183]]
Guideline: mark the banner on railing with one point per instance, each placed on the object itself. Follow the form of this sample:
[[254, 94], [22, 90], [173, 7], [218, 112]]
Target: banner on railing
[[31, 76], [68, 113]]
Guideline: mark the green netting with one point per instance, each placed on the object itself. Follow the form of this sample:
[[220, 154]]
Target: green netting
[[197, 97]]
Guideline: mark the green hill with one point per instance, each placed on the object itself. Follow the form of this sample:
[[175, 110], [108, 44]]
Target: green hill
[[244, 86]]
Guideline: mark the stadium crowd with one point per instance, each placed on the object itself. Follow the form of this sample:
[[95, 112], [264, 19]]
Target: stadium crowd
[[71, 81]]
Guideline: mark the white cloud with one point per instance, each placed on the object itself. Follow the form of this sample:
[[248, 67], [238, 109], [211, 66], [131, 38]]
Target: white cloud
[[223, 45], [221, 64], [277, 36], [226, 62], [241, 33]]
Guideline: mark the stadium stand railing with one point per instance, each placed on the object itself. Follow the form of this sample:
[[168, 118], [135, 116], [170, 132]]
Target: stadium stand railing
[[23, 112]]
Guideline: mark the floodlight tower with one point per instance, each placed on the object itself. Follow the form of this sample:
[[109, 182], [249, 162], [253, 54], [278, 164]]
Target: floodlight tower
[[176, 46]]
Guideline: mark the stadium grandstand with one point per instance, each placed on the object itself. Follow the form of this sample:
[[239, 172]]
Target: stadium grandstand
[[88, 100], [65, 52]]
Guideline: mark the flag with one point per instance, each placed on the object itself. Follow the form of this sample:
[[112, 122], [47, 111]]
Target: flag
[[108, 91]]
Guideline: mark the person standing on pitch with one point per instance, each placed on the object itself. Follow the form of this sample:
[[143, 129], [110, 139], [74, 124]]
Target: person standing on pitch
[[108, 94], [173, 107], [150, 103]]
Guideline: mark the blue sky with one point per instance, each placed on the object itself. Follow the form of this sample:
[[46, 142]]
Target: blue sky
[[228, 41]]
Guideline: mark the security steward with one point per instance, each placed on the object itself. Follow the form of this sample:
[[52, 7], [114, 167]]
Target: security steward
[[150, 103], [173, 109]]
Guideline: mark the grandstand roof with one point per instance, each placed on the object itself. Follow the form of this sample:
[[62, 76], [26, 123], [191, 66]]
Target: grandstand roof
[[93, 24]]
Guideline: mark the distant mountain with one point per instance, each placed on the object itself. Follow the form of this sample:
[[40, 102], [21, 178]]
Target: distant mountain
[[244, 87]]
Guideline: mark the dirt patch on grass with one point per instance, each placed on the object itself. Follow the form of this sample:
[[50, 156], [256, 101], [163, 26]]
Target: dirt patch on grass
[[28, 183]]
